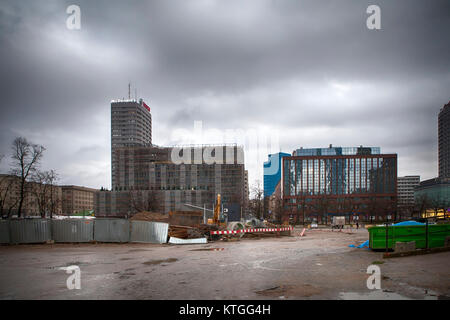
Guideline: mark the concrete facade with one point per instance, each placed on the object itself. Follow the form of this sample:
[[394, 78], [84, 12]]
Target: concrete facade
[[76, 199], [39, 198], [131, 125], [405, 189]]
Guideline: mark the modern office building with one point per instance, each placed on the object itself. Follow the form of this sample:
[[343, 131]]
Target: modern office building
[[434, 193], [405, 190], [444, 142], [131, 126], [352, 181], [272, 172]]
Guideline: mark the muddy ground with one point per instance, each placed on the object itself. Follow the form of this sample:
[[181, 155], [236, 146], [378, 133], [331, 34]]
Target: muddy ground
[[317, 266]]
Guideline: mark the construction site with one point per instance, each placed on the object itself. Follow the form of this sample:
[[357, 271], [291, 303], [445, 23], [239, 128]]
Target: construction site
[[187, 255]]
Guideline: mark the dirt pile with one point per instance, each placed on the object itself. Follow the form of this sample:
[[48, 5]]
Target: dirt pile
[[150, 216]]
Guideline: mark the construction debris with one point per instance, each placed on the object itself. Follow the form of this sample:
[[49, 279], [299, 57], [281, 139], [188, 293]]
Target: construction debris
[[185, 232], [186, 218], [174, 240], [150, 216]]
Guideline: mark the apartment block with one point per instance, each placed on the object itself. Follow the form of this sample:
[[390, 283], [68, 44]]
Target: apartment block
[[40, 199], [76, 199], [405, 190]]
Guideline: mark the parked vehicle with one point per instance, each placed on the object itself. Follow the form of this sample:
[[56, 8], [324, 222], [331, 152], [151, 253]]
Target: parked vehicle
[[338, 222]]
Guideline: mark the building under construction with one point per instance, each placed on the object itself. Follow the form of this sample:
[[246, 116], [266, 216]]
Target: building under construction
[[149, 179], [145, 177]]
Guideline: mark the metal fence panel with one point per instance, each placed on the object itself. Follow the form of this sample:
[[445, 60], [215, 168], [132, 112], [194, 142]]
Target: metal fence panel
[[112, 230], [4, 231], [68, 230], [149, 232], [30, 230]]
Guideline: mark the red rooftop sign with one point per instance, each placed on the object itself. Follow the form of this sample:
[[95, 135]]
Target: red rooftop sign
[[146, 106]]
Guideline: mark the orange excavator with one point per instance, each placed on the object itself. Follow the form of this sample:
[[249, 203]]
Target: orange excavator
[[216, 218]]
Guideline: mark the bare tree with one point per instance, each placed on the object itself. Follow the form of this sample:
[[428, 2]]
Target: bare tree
[[44, 190], [445, 205], [321, 205], [51, 179], [278, 208], [373, 207], [39, 189], [302, 204], [437, 203], [143, 201], [26, 157], [257, 203], [423, 203], [8, 188]]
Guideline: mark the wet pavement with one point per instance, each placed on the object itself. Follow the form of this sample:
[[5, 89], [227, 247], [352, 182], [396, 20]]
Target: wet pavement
[[317, 266]]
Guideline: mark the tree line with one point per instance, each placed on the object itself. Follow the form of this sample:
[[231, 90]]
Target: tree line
[[25, 179]]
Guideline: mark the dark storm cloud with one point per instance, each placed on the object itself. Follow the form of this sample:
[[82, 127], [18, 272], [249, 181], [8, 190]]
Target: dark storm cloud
[[309, 70]]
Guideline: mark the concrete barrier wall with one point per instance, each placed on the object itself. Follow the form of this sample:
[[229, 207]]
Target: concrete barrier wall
[[71, 230], [112, 230], [30, 231], [4, 231], [82, 230], [149, 232]]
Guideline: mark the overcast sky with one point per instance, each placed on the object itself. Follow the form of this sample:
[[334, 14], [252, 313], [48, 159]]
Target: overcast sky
[[307, 72]]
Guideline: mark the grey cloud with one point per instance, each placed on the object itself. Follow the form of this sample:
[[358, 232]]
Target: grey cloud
[[293, 66]]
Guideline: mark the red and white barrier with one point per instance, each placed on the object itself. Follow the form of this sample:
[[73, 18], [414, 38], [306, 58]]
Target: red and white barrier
[[253, 230]]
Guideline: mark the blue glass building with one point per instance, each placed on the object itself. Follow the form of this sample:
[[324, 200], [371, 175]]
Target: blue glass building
[[272, 172], [339, 180]]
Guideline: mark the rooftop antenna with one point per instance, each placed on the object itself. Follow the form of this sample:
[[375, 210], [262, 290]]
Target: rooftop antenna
[[135, 93], [129, 89]]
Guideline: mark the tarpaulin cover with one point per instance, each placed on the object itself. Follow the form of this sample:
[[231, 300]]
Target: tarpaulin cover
[[409, 223], [365, 244]]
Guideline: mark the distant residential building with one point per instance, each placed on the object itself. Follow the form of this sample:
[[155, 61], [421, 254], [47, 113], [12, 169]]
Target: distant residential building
[[405, 189], [40, 199], [131, 125], [352, 181], [77, 199], [272, 172], [444, 142]]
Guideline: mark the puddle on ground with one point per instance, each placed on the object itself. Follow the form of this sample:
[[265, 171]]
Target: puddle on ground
[[127, 275], [76, 263], [153, 262], [286, 291]]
